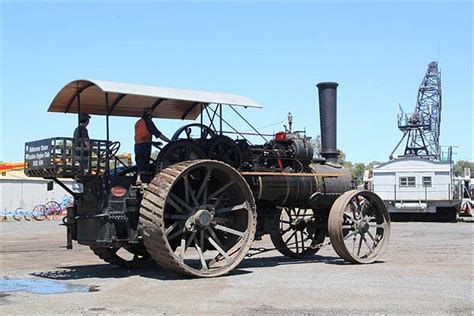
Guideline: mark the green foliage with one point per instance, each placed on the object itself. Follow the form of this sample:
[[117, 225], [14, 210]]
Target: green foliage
[[342, 157], [358, 171], [460, 165]]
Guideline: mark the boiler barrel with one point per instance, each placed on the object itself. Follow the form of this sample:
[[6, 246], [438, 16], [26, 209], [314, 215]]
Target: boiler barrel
[[318, 191]]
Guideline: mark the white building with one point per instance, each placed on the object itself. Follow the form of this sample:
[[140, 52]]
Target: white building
[[417, 185], [17, 190]]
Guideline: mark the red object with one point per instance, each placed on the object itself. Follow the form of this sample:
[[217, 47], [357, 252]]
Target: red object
[[118, 191], [280, 164], [280, 136]]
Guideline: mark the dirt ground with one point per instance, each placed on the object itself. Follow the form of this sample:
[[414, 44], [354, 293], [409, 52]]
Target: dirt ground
[[427, 268]]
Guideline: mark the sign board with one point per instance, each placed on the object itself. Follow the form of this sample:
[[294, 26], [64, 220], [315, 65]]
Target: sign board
[[38, 154]]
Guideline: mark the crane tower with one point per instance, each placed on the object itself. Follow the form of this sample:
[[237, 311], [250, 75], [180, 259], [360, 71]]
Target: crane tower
[[421, 128]]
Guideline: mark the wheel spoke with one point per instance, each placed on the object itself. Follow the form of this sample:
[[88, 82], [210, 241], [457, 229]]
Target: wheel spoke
[[371, 236], [186, 188], [377, 225], [190, 240], [302, 242], [296, 241], [219, 200], [291, 236], [218, 248], [230, 230], [214, 236], [176, 234], [201, 239], [350, 234], [233, 208], [363, 207], [203, 186], [222, 189], [367, 243], [193, 197], [182, 247], [360, 244], [201, 256], [350, 217], [179, 200], [176, 216], [170, 228]]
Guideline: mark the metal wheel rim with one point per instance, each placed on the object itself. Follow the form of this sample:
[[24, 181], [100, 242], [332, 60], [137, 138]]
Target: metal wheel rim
[[294, 239], [359, 226]]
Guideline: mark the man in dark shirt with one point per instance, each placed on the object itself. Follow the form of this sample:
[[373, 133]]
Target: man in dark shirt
[[145, 129], [81, 140]]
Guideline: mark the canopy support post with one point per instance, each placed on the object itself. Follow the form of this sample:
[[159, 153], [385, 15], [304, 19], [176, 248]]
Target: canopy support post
[[78, 108], [107, 135], [220, 121], [201, 121]]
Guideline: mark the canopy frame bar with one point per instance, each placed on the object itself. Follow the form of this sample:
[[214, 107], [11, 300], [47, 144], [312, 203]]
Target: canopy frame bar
[[116, 102], [78, 91]]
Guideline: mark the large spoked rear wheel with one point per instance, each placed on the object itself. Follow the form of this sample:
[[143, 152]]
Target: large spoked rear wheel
[[300, 233], [359, 226], [198, 218]]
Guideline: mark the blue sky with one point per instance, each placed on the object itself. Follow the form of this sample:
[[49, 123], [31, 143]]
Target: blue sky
[[274, 53]]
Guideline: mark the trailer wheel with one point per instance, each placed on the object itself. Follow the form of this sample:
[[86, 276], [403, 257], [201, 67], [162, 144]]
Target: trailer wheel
[[300, 233], [359, 226], [125, 257], [198, 218]]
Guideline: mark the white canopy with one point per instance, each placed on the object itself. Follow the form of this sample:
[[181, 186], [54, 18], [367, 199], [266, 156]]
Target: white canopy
[[126, 99]]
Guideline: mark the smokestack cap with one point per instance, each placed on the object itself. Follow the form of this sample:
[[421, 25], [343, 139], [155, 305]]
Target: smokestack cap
[[323, 85]]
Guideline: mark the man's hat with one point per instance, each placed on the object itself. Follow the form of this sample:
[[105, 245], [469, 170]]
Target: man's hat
[[84, 117]]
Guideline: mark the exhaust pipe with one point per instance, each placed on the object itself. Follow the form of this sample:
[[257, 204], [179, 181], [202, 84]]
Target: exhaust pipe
[[328, 120]]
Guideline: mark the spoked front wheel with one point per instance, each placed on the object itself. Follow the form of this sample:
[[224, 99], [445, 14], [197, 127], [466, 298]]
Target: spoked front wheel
[[359, 226], [300, 233]]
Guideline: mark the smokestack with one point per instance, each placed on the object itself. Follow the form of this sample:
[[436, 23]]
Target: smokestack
[[328, 116]]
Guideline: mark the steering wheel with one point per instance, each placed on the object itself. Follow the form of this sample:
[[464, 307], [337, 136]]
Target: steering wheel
[[205, 131], [113, 150]]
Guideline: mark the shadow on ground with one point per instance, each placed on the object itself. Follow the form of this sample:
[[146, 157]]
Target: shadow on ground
[[153, 271]]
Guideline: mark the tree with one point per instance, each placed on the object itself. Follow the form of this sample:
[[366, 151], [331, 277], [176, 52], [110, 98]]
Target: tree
[[358, 172], [460, 165]]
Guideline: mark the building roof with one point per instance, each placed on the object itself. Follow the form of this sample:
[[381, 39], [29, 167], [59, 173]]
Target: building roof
[[19, 175], [126, 99], [413, 164]]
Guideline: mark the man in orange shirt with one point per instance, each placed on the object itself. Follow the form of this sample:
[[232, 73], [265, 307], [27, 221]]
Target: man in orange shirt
[[145, 129]]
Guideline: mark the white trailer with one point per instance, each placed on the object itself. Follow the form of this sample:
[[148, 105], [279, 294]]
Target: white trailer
[[417, 185]]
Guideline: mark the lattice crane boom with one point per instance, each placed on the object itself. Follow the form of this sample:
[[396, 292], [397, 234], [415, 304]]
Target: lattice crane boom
[[422, 127]]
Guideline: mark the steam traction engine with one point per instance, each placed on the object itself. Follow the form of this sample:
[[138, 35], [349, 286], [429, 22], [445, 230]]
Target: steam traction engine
[[209, 197]]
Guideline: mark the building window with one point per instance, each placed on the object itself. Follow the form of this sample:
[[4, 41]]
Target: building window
[[426, 181], [407, 181]]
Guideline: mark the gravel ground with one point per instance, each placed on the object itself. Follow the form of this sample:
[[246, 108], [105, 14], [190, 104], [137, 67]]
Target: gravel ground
[[427, 269]]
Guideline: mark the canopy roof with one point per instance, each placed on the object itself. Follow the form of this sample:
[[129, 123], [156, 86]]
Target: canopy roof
[[126, 99]]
